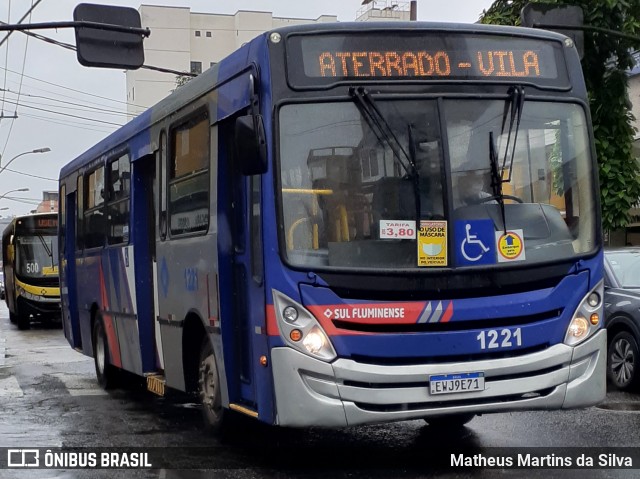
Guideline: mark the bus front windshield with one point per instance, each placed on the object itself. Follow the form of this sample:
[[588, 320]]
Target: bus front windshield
[[37, 256], [411, 184]]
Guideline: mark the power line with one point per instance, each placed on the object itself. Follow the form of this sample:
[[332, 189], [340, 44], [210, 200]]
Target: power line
[[83, 108], [70, 123], [24, 63], [30, 175], [65, 114], [28, 14], [88, 103], [73, 48], [28, 201], [76, 91], [6, 64]]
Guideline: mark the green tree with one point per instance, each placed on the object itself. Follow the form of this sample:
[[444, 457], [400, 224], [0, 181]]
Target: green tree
[[182, 80], [606, 60]]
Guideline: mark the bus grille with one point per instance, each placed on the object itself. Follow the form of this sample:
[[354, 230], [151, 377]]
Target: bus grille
[[448, 326]]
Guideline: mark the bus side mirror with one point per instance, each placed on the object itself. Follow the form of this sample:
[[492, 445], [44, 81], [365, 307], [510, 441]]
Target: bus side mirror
[[251, 145]]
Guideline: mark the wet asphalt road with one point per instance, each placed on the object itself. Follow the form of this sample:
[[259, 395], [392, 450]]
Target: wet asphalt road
[[49, 398]]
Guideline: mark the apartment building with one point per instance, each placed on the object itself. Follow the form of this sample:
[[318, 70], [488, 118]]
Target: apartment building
[[183, 40]]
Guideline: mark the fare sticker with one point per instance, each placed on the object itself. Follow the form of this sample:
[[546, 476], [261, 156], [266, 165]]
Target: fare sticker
[[432, 243], [510, 246], [397, 229]]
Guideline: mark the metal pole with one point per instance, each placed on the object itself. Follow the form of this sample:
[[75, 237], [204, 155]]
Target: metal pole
[[413, 11]]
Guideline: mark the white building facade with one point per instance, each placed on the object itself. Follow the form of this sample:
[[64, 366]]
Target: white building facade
[[192, 42]]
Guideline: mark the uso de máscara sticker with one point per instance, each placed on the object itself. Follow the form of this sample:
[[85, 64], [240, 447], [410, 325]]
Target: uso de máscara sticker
[[432, 243], [510, 246]]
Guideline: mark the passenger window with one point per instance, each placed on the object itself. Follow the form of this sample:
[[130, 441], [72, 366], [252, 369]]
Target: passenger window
[[94, 224], [118, 204], [189, 177], [80, 214]]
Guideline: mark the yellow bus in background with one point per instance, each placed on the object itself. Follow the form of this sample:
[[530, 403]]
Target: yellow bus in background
[[30, 266]]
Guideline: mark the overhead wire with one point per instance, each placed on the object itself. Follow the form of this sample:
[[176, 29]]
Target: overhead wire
[[6, 63], [71, 123], [66, 114], [82, 108], [24, 63], [76, 91], [30, 175]]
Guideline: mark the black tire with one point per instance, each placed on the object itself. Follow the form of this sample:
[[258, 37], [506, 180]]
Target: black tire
[[106, 373], [13, 317], [622, 362], [214, 415], [24, 321], [451, 421]]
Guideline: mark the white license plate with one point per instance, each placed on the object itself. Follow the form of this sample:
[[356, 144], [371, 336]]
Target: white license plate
[[456, 383]]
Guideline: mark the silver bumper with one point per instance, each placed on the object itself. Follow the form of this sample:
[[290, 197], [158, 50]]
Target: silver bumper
[[310, 392]]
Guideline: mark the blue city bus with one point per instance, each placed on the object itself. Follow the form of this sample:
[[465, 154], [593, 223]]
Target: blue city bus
[[350, 223]]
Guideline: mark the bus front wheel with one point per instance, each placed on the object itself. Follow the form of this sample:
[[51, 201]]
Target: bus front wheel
[[23, 320], [105, 371], [209, 388]]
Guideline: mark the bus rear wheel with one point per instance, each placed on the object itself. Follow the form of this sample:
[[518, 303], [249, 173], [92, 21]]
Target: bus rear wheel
[[452, 421], [209, 389], [106, 373]]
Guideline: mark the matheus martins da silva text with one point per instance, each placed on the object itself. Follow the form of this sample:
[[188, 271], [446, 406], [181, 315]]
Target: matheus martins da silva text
[[547, 460]]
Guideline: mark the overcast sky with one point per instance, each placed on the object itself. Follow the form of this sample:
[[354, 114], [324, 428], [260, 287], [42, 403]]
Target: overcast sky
[[53, 86]]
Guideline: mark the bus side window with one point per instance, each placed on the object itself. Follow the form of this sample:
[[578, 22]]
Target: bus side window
[[80, 214], [189, 177], [118, 201], [94, 213], [63, 217]]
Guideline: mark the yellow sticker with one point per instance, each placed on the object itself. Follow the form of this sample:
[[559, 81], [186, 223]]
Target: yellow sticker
[[432, 243], [510, 246], [49, 270]]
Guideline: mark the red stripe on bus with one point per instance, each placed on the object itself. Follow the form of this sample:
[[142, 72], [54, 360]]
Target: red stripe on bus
[[109, 326], [448, 313]]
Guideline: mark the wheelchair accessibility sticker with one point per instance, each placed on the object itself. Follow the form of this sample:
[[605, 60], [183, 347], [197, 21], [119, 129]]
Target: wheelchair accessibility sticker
[[475, 242], [510, 246]]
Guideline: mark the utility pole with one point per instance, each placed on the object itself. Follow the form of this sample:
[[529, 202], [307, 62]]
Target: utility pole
[[413, 10]]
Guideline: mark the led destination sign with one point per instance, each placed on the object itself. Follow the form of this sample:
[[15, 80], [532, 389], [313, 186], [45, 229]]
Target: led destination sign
[[429, 56], [500, 63]]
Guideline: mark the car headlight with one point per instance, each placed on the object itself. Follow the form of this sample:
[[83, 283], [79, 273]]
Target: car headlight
[[588, 317], [300, 329]]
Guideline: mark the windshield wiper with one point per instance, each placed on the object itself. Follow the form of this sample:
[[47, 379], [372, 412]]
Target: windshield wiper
[[46, 248], [512, 109], [496, 179], [385, 135]]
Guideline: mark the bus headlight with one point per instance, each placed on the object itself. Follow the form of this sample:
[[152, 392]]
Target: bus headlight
[[315, 340], [588, 317], [300, 329], [26, 294]]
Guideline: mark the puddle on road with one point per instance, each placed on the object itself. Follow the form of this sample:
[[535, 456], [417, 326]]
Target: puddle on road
[[626, 406]]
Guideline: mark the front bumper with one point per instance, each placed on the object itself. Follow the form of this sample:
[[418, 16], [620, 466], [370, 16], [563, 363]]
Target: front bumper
[[310, 392], [45, 307]]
